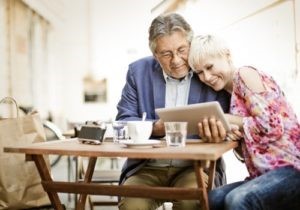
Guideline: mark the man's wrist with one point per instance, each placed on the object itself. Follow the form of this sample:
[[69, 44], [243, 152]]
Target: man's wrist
[[158, 129]]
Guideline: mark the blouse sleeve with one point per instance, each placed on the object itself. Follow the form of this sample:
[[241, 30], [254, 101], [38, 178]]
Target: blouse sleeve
[[263, 122]]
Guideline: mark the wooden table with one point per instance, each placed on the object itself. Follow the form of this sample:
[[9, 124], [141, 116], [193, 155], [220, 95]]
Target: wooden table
[[203, 155]]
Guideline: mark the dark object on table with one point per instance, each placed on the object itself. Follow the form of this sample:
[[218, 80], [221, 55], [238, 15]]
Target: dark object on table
[[92, 133]]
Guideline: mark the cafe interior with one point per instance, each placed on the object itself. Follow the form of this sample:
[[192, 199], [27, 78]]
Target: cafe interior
[[68, 60]]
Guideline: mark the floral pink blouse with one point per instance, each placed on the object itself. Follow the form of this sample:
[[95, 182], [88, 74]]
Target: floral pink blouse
[[271, 128]]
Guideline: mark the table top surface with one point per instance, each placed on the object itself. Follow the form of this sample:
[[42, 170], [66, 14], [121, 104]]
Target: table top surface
[[192, 151]]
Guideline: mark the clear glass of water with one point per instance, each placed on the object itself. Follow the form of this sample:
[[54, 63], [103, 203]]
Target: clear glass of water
[[176, 133], [120, 131]]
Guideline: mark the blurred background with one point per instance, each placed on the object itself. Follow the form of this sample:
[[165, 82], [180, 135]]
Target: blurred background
[[68, 58]]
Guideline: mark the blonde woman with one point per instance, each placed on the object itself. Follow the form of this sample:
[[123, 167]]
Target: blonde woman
[[271, 130]]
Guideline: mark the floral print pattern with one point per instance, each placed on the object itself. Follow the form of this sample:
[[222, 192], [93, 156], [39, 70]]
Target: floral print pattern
[[271, 128]]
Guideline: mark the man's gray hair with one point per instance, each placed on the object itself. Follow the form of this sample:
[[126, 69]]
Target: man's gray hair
[[167, 24]]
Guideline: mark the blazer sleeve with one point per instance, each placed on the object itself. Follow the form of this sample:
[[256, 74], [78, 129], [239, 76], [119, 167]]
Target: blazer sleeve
[[128, 104], [140, 92]]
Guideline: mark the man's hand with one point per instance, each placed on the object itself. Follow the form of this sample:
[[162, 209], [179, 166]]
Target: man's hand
[[158, 129]]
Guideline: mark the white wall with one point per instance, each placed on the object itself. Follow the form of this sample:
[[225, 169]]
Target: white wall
[[3, 58], [97, 36], [118, 37], [68, 56], [69, 60]]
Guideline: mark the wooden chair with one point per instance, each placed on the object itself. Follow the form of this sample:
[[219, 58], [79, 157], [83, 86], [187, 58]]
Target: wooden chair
[[110, 176]]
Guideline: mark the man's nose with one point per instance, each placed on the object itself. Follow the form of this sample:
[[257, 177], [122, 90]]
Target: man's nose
[[176, 58]]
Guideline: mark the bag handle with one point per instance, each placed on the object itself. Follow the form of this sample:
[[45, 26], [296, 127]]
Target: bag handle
[[11, 100]]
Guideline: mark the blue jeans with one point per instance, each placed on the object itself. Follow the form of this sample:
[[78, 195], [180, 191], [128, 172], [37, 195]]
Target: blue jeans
[[276, 190]]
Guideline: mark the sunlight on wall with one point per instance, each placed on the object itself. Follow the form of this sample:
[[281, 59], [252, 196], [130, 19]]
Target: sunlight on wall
[[260, 33]]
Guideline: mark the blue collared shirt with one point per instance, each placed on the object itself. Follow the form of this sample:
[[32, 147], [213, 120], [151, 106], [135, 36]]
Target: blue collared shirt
[[177, 93]]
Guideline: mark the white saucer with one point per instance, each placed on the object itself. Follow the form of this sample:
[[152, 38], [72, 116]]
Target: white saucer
[[141, 144]]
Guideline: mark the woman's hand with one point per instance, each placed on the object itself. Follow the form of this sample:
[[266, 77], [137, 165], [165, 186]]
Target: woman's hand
[[235, 133], [211, 130]]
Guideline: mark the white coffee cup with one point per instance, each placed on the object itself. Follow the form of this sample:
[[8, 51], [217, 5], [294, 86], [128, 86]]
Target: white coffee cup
[[139, 131]]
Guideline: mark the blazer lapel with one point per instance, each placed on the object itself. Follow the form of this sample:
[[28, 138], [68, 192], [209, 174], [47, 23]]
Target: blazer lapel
[[159, 87], [195, 90]]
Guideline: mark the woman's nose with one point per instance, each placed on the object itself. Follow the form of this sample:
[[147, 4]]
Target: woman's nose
[[206, 76]]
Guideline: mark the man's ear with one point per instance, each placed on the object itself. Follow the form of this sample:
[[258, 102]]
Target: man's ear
[[155, 56]]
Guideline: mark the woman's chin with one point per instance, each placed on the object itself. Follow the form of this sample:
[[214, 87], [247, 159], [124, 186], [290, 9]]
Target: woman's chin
[[216, 88]]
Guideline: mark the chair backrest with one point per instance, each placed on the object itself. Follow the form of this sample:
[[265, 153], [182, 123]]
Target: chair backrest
[[108, 176], [52, 131]]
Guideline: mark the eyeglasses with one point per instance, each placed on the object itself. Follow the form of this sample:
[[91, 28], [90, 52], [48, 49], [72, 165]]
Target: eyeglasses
[[180, 52]]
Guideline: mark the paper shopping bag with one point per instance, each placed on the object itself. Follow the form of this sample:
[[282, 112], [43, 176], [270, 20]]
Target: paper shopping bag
[[20, 183]]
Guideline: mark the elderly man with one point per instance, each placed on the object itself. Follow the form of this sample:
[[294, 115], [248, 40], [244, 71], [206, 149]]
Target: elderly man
[[164, 80]]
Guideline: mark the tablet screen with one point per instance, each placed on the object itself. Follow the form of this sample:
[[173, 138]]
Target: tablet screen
[[193, 114]]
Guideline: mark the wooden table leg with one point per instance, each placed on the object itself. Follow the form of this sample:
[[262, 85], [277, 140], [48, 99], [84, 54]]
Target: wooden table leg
[[76, 179], [201, 184], [211, 175], [45, 176], [87, 178]]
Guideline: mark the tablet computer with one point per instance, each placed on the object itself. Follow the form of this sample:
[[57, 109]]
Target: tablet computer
[[193, 114]]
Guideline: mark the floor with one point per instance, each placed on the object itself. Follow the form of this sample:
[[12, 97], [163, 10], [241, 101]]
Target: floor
[[60, 173]]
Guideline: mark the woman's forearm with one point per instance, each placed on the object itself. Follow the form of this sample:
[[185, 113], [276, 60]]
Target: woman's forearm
[[234, 119]]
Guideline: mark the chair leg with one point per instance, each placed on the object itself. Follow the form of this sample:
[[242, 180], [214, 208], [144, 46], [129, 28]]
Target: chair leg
[[91, 203]]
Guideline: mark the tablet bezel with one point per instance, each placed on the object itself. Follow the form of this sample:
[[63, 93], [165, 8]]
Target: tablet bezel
[[193, 114]]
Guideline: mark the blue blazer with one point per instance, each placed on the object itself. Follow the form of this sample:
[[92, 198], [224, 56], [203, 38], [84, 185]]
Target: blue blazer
[[144, 91]]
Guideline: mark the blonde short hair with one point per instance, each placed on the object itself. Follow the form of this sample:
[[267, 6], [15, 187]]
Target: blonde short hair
[[204, 46]]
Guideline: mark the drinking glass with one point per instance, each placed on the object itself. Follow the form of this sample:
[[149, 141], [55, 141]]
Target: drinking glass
[[119, 131], [176, 133]]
